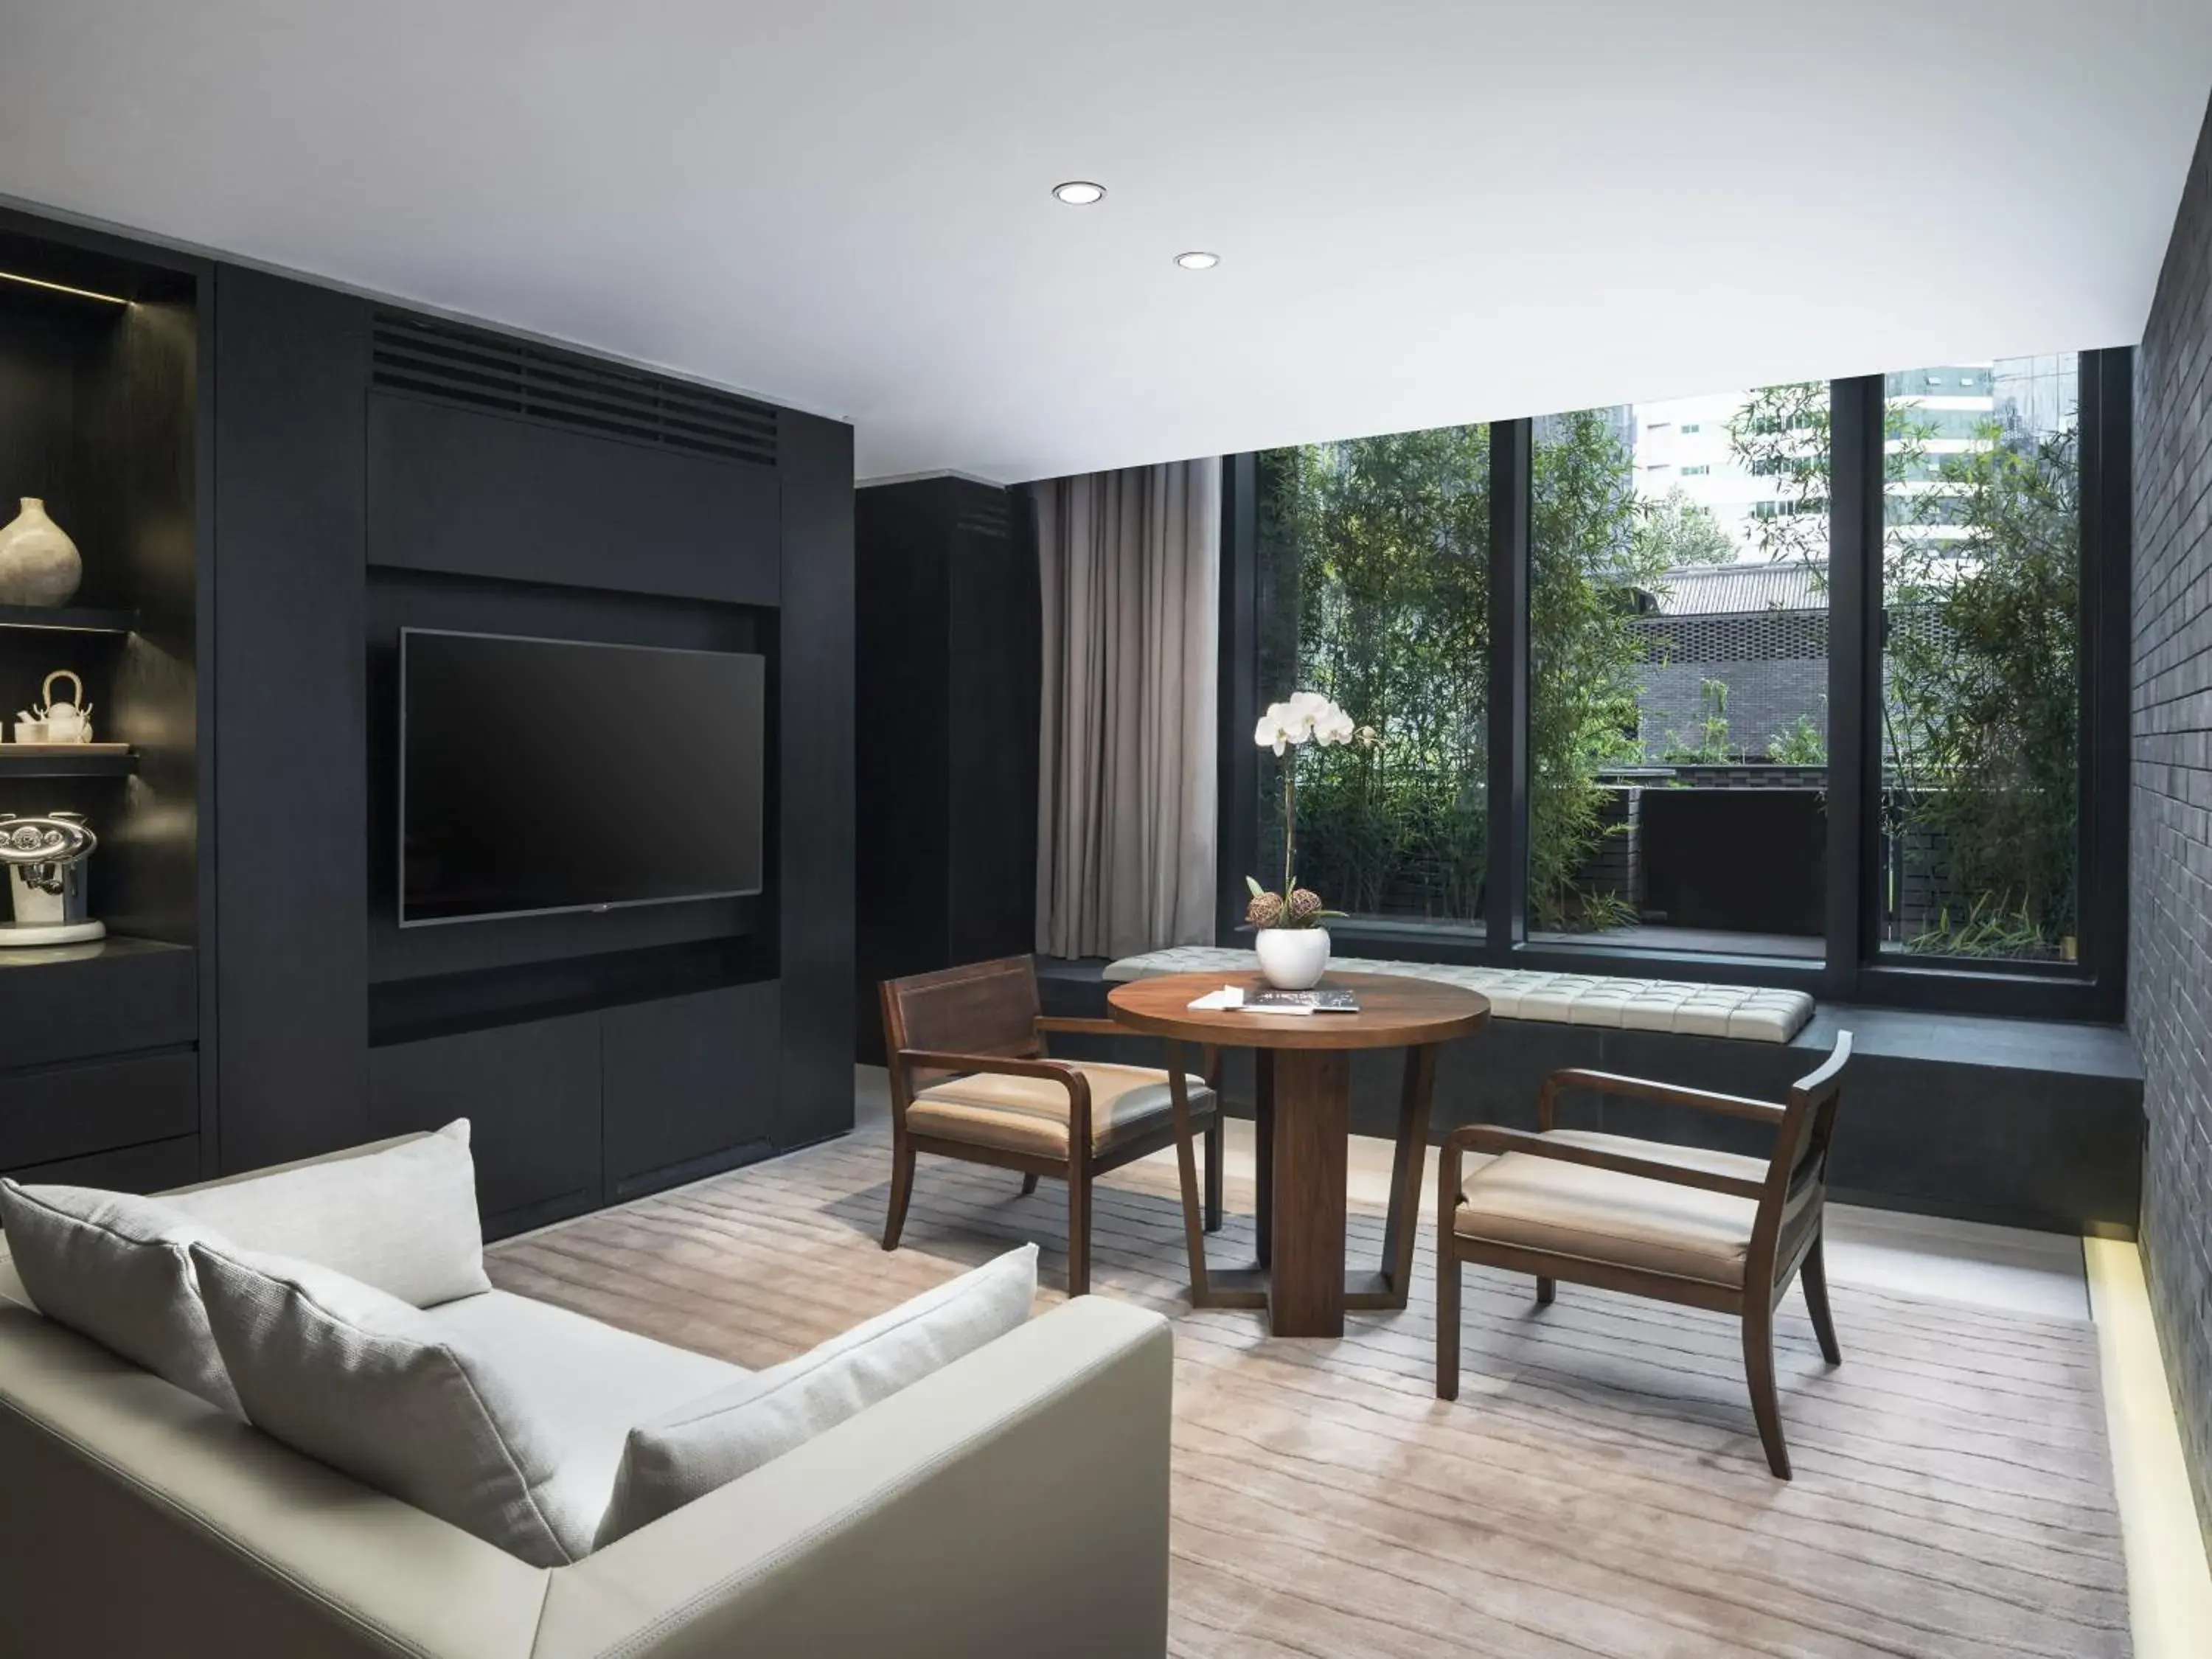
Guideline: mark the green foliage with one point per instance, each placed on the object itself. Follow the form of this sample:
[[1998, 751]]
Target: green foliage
[[1586, 561], [1710, 745], [1803, 744], [1675, 530], [1991, 927], [1982, 690], [1781, 433], [1384, 543]]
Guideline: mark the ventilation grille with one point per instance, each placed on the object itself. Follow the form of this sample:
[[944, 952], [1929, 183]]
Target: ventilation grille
[[473, 370], [980, 510], [1751, 636]]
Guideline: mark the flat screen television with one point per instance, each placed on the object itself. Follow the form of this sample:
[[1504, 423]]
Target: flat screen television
[[545, 775]]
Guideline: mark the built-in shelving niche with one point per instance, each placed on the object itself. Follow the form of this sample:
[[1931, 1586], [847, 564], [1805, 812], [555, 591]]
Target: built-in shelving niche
[[98, 396]]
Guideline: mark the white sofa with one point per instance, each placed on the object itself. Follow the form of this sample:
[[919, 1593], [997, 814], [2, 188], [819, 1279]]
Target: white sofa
[[1013, 1503]]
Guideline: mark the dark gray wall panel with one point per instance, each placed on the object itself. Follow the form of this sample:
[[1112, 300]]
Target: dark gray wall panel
[[479, 495], [291, 363], [532, 1095], [815, 816]]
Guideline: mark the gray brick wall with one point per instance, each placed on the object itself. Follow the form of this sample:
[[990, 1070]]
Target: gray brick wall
[[1766, 699], [2170, 855]]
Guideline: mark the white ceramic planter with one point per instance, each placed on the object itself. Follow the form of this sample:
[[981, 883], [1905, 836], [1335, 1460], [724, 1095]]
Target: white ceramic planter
[[1292, 958]]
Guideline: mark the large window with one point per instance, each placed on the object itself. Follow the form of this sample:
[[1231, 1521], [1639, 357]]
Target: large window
[[1818, 683], [1679, 673], [1374, 588], [1981, 664]]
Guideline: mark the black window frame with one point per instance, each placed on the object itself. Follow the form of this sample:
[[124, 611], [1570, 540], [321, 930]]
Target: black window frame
[[1853, 968]]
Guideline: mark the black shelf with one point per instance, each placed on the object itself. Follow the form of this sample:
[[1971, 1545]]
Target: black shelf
[[68, 619], [65, 766]]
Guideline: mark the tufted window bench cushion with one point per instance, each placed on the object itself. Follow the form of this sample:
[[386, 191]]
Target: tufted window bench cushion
[[1633, 1004]]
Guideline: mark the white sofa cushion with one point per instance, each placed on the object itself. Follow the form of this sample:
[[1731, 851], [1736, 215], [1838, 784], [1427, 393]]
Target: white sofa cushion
[[586, 1385], [388, 1394], [402, 1218], [118, 1269], [687, 1453]]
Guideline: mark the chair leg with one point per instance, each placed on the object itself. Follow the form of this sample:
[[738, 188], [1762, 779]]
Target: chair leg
[[902, 1190], [1545, 1288], [1079, 1230], [1214, 1150], [1813, 1274], [1028, 1184], [1448, 1272], [1758, 1371]]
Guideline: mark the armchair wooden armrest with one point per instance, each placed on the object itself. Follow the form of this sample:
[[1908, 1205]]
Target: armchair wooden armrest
[[1209, 1062], [1612, 1082], [1082, 1022], [1492, 1138], [1059, 1071]]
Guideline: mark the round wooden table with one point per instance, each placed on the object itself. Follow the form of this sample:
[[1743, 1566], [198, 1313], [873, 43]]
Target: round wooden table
[[1301, 1067]]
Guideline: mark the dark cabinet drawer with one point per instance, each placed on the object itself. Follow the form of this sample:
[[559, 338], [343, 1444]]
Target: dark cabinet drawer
[[154, 1168], [690, 1085], [125, 996], [69, 1111], [531, 1093]]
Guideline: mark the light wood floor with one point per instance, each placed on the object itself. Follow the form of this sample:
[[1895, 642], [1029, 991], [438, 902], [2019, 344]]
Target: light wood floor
[[1597, 1489]]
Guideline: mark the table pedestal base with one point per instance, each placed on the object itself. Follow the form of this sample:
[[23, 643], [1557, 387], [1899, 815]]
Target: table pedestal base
[[1302, 1132]]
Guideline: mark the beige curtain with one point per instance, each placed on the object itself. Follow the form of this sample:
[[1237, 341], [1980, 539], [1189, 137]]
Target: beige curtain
[[1125, 782]]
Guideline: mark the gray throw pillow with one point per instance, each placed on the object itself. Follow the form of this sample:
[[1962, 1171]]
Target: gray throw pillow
[[403, 1219], [118, 1269], [358, 1379], [687, 1453]]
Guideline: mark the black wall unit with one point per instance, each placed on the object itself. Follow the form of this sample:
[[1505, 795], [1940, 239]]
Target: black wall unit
[[269, 479], [531, 1093], [290, 718], [811, 838], [948, 627], [481, 494], [689, 1086]]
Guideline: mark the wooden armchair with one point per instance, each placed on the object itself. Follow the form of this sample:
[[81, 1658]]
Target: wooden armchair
[[1709, 1230], [997, 1098]]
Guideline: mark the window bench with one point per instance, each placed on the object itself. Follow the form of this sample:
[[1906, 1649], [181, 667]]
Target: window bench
[[2031, 1123], [1681, 1006]]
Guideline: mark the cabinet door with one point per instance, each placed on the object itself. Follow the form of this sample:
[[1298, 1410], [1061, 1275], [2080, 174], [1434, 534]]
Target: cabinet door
[[691, 1085], [531, 1093]]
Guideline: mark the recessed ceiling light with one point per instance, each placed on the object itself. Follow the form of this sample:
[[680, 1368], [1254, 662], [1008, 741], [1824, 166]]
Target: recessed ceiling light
[[1197, 260], [1080, 192]]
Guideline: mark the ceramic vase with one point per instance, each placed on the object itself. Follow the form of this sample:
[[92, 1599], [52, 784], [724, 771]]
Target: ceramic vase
[[38, 563], [1292, 958]]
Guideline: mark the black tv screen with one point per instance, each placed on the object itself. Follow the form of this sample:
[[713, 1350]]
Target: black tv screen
[[540, 776]]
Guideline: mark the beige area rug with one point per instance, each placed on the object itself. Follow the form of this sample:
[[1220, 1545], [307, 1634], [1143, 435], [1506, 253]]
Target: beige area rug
[[1597, 1489]]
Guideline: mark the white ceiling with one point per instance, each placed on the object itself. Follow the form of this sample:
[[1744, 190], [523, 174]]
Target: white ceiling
[[1427, 212]]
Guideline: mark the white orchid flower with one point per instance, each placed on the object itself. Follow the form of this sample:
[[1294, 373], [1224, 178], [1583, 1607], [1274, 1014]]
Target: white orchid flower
[[1303, 717]]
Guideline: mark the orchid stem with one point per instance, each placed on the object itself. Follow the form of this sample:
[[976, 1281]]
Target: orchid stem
[[1290, 822]]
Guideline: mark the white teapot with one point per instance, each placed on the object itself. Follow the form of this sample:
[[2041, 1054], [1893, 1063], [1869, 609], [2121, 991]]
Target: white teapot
[[68, 721]]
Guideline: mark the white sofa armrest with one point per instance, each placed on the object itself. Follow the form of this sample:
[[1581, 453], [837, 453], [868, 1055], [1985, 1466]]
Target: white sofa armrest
[[1013, 1504]]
